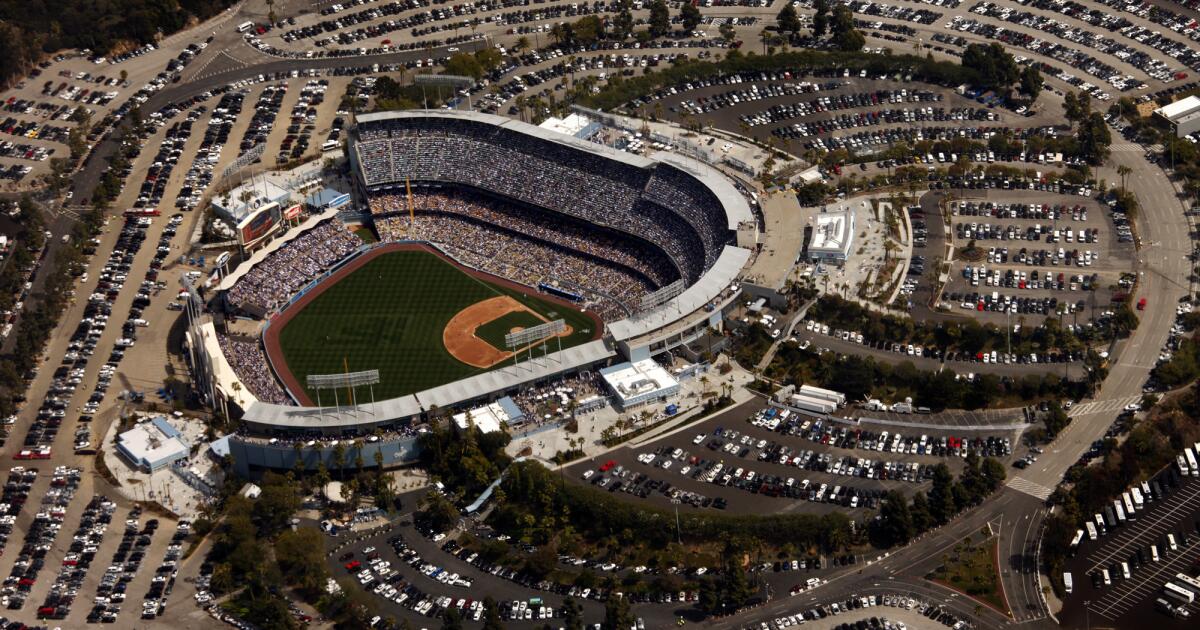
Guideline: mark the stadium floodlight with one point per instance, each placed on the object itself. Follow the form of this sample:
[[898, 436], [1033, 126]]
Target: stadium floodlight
[[338, 381], [244, 160], [663, 295], [522, 338]]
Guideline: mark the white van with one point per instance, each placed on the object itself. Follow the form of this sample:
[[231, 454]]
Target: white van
[[245, 26]]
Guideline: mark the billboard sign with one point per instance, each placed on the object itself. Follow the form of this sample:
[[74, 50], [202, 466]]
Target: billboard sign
[[292, 212], [259, 224]]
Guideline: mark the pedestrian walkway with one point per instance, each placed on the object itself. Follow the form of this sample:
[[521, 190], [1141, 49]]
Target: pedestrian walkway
[[1028, 487], [1102, 406]]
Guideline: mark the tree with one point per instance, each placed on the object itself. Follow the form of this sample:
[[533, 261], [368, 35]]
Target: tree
[[660, 18], [616, 614], [690, 16], [844, 33], [941, 495], [622, 24], [300, 559], [1031, 83], [894, 526], [451, 620], [572, 614], [1094, 138], [994, 67], [491, 614], [464, 64], [851, 41], [727, 32], [437, 511], [820, 17], [919, 512], [788, 19]]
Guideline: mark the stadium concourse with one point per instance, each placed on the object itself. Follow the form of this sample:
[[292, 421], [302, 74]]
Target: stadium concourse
[[650, 247]]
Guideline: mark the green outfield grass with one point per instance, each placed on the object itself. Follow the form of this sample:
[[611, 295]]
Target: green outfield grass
[[389, 315], [494, 331]]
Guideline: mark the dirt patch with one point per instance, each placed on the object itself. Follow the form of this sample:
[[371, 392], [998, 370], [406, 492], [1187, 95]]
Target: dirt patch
[[463, 344]]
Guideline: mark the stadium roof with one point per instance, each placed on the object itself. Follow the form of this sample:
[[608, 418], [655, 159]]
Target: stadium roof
[[510, 376], [478, 386], [737, 211], [704, 291], [331, 417]]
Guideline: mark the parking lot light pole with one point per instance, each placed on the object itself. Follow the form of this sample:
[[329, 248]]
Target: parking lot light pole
[[678, 532]]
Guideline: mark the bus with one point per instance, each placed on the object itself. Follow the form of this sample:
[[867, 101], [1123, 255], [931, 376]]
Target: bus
[[1138, 502], [1181, 462], [245, 26], [1188, 582], [1145, 493], [1110, 518], [1191, 461], [1178, 593], [1076, 540], [1120, 512], [1100, 524], [1067, 583], [1091, 530]]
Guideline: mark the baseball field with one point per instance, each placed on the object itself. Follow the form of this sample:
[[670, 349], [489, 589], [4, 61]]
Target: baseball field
[[417, 317]]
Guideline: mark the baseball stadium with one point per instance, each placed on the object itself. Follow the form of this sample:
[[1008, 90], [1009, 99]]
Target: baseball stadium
[[505, 256]]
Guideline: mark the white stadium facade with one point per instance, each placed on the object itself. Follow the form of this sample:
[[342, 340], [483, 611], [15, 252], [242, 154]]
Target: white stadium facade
[[688, 211]]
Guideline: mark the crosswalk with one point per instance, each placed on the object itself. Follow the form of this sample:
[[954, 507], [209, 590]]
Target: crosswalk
[[1126, 147], [1022, 484], [1102, 406]]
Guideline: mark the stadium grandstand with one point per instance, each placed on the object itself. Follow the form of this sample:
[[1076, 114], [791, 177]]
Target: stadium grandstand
[[646, 245]]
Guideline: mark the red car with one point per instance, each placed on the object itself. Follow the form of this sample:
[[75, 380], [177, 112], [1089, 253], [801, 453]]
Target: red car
[[607, 466], [1142, 304], [353, 565]]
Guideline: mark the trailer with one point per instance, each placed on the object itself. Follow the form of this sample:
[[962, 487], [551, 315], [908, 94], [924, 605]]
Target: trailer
[[1178, 593], [814, 405], [820, 393], [1138, 502]]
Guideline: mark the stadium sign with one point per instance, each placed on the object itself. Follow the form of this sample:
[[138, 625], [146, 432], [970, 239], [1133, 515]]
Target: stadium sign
[[292, 213], [257, 225]]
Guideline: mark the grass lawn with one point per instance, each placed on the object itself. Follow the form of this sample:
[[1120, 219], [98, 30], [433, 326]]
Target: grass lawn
[[494, 331], [972, 569], [389, 315], [365, 234]]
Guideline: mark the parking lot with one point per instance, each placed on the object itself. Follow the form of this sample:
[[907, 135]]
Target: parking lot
[[764, 460], [1133, 546], [1037, 255]]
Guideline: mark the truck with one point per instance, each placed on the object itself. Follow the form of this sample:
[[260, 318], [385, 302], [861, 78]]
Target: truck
[[1127, 503], [902, 407], [823, 394], [1191, 461], [1181, 462], [1091, 530], [1076, 540], [1138, 501], [808, 403]]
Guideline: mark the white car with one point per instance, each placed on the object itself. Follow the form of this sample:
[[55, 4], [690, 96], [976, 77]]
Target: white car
[[698, 439]]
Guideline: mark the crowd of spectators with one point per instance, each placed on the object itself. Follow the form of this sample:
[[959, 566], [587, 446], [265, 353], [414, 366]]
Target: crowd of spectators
[[274, 280], [606, 290], [652, 200], [249, 362], [549, 403]]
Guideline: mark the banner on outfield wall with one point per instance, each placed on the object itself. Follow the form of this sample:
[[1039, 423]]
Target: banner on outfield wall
[[258, 225]]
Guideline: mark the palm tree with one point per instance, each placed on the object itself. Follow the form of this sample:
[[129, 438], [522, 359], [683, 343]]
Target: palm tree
[[1123, 171], [765, 37]]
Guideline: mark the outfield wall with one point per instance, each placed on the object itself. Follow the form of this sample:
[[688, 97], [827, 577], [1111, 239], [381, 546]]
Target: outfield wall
[[253, 455]]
